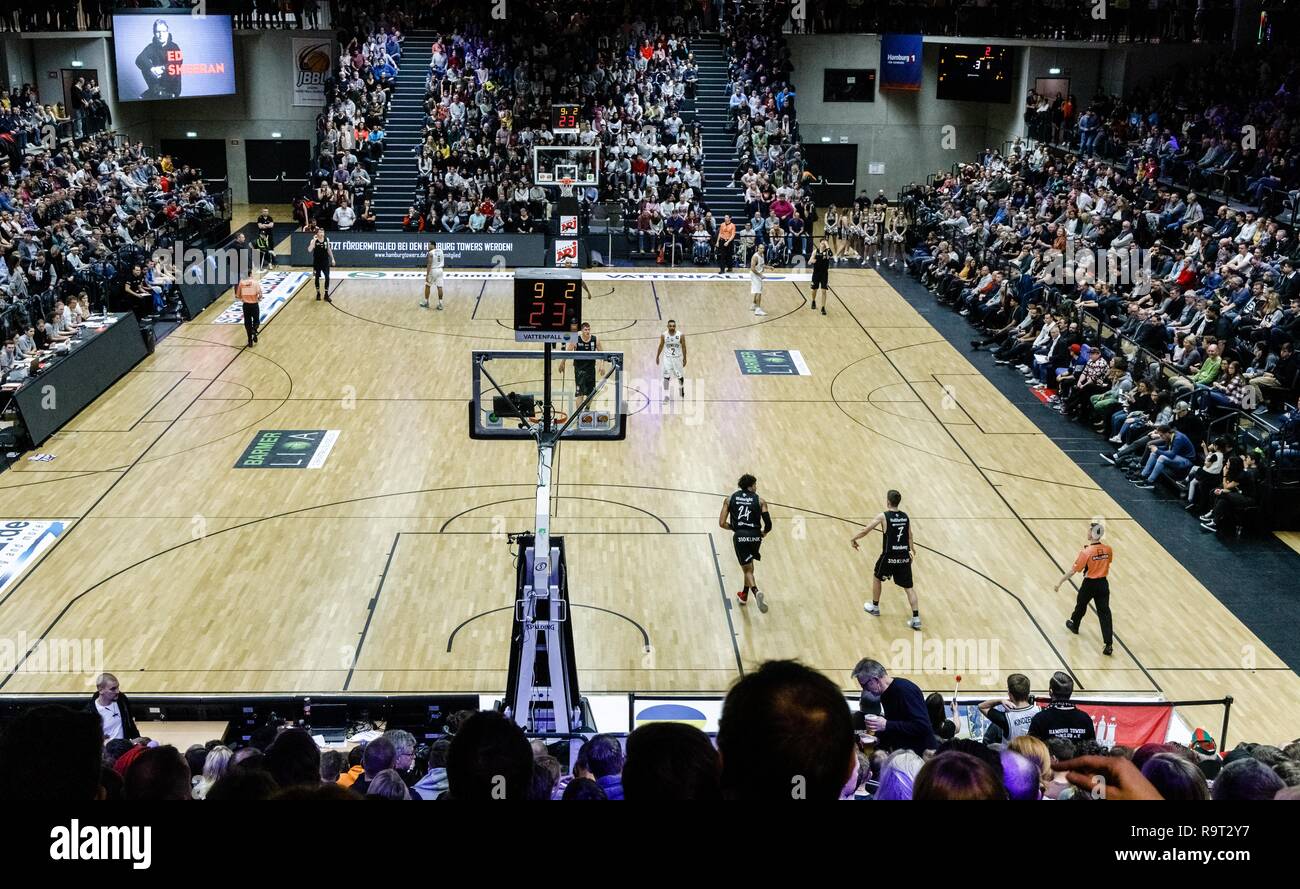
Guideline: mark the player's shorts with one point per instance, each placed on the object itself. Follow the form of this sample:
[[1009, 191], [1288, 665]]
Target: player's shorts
[[673, 366], [755, 286], [900, 572], [747, 548], [433, 279]]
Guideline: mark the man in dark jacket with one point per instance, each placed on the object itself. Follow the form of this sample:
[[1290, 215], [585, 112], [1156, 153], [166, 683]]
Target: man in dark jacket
[[905, 723], [113, 709]]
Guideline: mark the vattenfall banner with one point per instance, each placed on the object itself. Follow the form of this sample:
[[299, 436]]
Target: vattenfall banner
[[313, 59], [900, 62], [365, 250]]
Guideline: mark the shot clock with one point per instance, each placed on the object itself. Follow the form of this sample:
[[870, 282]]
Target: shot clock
[[564, 118], [548, 304]]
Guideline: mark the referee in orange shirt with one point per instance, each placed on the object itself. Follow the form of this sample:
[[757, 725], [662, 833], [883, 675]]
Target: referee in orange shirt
[[1094, 561], [250, 294], [724, 244]]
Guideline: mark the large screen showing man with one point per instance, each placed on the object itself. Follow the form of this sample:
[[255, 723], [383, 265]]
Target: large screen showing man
[[170, 56], [160, 64]]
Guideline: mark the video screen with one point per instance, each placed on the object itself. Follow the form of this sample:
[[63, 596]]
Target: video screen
[[975, 72], [172, 56]]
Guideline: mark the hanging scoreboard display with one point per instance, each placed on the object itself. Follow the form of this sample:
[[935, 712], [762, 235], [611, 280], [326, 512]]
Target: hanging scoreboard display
[[548, 305], [564, 118]]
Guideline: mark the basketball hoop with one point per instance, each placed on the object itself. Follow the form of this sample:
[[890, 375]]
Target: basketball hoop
[[566, 187]]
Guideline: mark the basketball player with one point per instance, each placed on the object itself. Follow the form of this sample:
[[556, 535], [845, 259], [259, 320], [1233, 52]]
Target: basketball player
[[740, 514], [1094, 561], [322, 257], [895, 556], [584, 372], [821, 272], [433, 262], [757, 264], [672, 349]]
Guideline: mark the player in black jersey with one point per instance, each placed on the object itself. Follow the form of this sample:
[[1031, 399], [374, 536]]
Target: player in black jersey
[[740, 515], [584, 372], [895, 556], [322, 257]]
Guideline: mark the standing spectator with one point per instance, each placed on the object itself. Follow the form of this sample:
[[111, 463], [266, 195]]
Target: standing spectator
[[113, 709], [896, 711]]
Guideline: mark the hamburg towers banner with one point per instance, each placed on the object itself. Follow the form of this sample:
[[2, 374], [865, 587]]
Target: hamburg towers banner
[[900, 62]]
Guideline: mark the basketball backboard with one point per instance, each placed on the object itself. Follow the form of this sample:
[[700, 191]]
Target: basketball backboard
[[509, 386], [581, 163]]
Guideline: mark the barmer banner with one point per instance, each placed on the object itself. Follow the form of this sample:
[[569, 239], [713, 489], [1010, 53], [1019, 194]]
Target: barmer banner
[[900, 62], [408, 249]]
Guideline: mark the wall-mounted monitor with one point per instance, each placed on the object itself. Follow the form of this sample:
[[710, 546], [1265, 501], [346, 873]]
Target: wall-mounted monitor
[[848, 85]]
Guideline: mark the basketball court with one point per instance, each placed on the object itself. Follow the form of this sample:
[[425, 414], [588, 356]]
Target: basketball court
[[388, 568]]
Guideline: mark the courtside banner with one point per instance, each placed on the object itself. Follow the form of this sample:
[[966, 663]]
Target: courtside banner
[[408, 249], [21, 542], [277, 288], [1129, 726], [900, 62]]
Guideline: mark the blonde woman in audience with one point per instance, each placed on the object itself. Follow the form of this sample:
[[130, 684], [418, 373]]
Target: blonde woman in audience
[[214, 767]]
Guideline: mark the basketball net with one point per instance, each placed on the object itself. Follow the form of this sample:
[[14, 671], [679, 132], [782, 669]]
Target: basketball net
[[566, 187]]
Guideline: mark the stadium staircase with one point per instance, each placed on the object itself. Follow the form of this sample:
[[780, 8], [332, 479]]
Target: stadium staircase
[[398, 175], [719, 142]]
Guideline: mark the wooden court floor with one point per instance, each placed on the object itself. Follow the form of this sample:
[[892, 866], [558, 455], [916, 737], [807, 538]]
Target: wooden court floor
[[387, 571]]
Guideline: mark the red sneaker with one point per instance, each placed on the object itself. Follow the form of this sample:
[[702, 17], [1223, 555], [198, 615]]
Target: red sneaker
[[743, 596]]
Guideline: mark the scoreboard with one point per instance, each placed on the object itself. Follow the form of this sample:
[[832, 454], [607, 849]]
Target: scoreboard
[[548, 304], [564, 118]]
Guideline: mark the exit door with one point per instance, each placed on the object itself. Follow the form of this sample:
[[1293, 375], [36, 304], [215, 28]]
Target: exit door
[[277, 169]]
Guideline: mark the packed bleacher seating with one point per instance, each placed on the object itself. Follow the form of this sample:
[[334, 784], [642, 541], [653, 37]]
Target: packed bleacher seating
[[786, 731], [81, 218], [350, 129], [1221, 125], [1167, 327], [487, 106]]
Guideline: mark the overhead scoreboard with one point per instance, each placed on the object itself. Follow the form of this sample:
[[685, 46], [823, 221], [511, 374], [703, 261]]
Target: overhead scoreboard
[[548, 305], [564, 118]]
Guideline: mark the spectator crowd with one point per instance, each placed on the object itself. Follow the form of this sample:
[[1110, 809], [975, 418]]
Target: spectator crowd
[[1162, 321], [786, 732], [80, 220], [350, 129], [1223, 124]]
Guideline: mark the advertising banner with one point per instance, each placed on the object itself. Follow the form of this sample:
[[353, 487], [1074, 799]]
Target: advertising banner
[[900, 62], [408, 249], [313, 59]]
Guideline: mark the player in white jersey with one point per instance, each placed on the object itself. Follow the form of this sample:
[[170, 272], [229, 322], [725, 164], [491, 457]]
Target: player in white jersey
[[433, 263], [757, 265], [672, 351]]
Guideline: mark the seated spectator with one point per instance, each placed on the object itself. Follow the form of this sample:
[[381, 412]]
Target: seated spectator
[[785, 733]]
